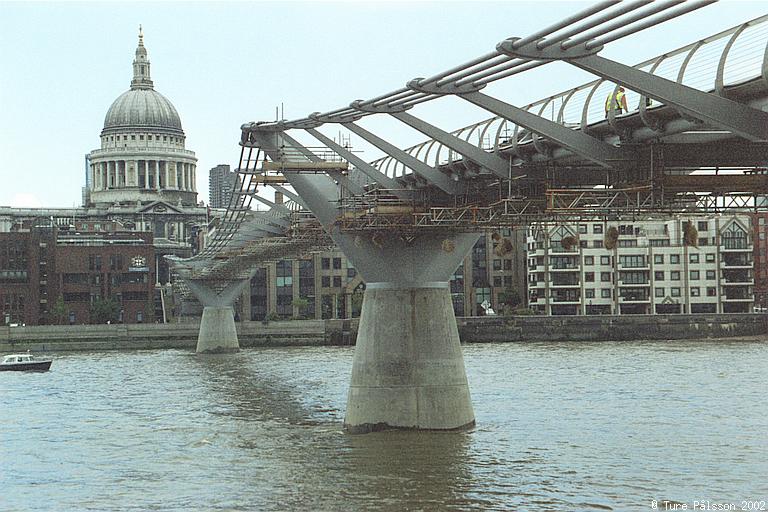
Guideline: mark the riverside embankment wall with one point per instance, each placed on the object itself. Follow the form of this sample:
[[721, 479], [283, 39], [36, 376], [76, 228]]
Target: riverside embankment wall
[[55, 338], [610, 327]]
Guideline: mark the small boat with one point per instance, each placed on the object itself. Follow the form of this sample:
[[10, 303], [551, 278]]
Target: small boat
[[24, 363]]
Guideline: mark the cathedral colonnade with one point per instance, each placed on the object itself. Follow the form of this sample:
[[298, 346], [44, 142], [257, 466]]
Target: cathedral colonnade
[[155, 174]]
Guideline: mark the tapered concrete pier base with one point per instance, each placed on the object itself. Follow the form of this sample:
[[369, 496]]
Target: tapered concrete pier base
[[217, 330], [408, 369]]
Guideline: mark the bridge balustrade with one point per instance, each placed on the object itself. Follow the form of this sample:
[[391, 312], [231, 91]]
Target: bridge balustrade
[[729, 58]]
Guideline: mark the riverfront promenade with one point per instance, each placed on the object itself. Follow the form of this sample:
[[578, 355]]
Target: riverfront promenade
[[343, 332]]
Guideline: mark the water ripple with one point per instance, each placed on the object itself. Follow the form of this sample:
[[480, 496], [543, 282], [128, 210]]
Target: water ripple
[[560, 426]]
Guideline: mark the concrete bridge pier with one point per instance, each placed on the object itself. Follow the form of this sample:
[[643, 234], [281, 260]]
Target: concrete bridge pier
[[217, 325], [408, 370]]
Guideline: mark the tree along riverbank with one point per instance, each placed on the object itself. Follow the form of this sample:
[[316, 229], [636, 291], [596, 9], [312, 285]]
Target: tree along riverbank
[[55, 338]]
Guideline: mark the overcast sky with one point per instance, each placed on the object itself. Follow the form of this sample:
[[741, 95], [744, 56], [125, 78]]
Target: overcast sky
[[223, 64]]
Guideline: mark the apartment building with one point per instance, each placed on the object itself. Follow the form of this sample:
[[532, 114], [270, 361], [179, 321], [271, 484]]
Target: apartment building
[[683, 264]]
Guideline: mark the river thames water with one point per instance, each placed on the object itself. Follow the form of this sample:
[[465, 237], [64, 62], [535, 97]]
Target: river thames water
[[560, 426]]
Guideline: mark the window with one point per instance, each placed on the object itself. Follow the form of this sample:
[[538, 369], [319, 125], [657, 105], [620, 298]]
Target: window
[[133, 137], [626, 229], [674, 259], [337, 263], [711, 291], [589, 293], [710, 258], [694, 258], [116, 262], [325, 281], [585, 243], [633, 277], [337, 281], [605, 293], [605, 260], [658, 275], [141, 137], [284, 273], [703, 241], [632, 261], [710, 274], [507, 264], [658, 258], [589, 277], [597, 229], [605, 277], [589, 260], [351, 273], [674, 275], [75, 278], [674, 292], [94, 262], [325, 263], [582, 229], [597, 244], [694, 275], [695, 291], [734, 237], [497, 282], [496, 264], [702, 225], [658, 292]]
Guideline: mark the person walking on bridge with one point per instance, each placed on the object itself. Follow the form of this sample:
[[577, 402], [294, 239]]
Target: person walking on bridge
[[616, 101]]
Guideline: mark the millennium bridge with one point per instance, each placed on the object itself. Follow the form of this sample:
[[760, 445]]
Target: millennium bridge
[[693, 138]]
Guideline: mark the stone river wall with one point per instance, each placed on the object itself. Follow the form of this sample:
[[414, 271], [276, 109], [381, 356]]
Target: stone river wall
[[55, 338]]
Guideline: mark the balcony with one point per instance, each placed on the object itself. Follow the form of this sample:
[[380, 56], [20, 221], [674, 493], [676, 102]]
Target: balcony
[[738, 297], [640, 297], [149, 150], [565, 300], [623, 283], [738, 280], [566, 283], [559, 250], [736, 246], [736, 263], [565, 268]]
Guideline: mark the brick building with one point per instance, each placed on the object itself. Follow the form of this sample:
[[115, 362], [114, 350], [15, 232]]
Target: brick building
[[27, 270], [97, 266], [41, 264]]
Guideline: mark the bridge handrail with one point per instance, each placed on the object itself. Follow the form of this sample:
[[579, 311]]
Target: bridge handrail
[[734, 61]]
